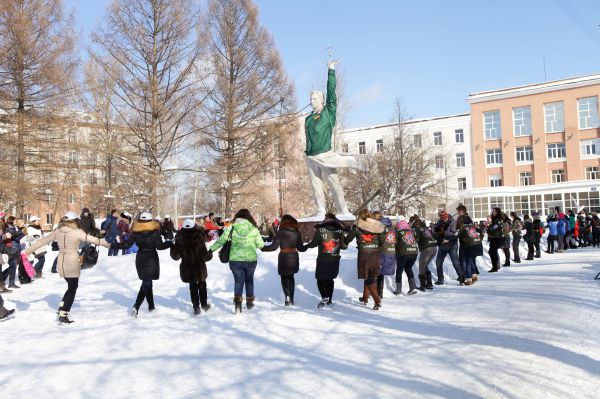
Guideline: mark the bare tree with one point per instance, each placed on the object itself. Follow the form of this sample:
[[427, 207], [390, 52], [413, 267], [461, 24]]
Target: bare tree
[[402, 175], [149, 49], [37, 69], [249, 108]]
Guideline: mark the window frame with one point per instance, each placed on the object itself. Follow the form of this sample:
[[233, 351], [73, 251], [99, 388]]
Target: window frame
[[525, 121], [461, 183], [437, 139], [495, 116], [379, 146], [595, 122], [362, 148], [554, 114], [592, 143], [459, 133], [441, 164], [554, 148], [528, 177], [591, 171], [553, 175], [525, 152], [497, 153], [461, 156], [496, 177]]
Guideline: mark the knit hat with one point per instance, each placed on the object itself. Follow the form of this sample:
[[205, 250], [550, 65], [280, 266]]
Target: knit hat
[[188, 224], [147, 216], [70, 216], [34, 219]]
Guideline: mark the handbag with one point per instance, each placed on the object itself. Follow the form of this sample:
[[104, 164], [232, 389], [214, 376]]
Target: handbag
[[226, 249]]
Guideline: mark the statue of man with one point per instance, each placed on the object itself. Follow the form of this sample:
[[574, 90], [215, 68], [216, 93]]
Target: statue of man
[[322, 162]]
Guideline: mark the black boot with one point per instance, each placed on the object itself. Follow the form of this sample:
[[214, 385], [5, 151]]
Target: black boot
[[398, 290], [422, 282], [380, 286], [412, 286], [196, 310], [4, 313], [429, 283], [250, 302], [63, 317]]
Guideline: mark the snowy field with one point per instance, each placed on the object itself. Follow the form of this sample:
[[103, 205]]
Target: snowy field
[[530, 331]]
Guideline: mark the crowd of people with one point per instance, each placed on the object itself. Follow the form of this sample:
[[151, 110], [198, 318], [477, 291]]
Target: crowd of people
[[384, 248]]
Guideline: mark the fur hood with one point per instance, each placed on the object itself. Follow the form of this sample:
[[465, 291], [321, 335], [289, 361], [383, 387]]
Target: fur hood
[[371, 226], [66, 225], [140, 226]]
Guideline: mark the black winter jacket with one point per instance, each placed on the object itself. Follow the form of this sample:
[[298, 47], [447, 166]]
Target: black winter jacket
[[146, 235], [329, 237], [190, 247], [287, 238]]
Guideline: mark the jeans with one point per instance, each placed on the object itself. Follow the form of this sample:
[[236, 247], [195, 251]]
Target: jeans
[[551, 239], [113, 251], [40, 263], [469, 265], [243, 274], [561, 242], [515, 247], [425, 257], [405, 262], [11, 272], [69, 297], [439, 262]]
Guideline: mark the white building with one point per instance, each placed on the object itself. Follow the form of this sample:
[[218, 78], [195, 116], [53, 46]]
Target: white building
[[448, 137]]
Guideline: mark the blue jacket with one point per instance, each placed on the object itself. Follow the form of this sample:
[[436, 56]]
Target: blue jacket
[[552, 227], [561, 228], [111, 228]]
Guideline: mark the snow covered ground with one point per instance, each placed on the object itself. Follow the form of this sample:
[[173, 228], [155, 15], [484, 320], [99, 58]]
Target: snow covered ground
[[530, 331]]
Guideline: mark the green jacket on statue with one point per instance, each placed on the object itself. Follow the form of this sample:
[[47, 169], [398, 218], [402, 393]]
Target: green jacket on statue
[[319, 127]]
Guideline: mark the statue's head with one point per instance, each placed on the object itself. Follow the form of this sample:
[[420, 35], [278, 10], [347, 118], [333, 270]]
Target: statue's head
[[317, 100]]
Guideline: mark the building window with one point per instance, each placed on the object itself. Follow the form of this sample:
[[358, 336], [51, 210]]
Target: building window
[[74, 178], [557, 151], [493, 157], [439, 162], [462, 183], [72, 138], [345, 148], [491, 125], [459, 136], [526, 179], [522, 121], [93, 179], [280, 173], [592, 173], [50, 218], [525, 154], [590, 147], [437, 138], [495, 180], [588, 112], [554, 117], [417, 140], [558, 176], [379, 145], [73, 157], [362, 149], [72, 198], [460, 159]]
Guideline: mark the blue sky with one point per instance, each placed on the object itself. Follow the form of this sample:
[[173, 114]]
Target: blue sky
[[431, 53]]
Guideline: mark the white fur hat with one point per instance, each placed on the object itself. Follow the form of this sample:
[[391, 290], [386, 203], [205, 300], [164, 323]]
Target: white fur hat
[[146, 216], [188, 224], [34, 219], [167, 216], [70, 216]]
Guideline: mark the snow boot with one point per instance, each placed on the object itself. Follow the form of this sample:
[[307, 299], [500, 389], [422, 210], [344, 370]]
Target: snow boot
[[38, 274], [365, 296], [398, 290], [206, 307], [507, 263], [63, 317], [237, 301], [323, 302], [469, 281], [5, 313], [428, 282], [288, 301], [422, 282], [412, 290], [3, 289], [196, 310], [380, 282], [493, 270], [474, 278], [250, 302]]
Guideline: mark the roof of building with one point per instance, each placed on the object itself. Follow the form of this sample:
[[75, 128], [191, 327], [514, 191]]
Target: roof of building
[[410, 121], [534, 88]]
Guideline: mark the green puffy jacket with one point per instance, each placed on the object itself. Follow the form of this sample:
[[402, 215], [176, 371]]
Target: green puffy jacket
[[245, 240]]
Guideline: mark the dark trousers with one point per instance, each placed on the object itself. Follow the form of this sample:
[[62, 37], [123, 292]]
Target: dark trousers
[[288, 284], [146, 293], [113, 251], [40, 263], [243, 275], [551, 240], [530, 250], [11, 272], [198, 294], [596, 236], [69, 297], [405, 262], [515, 247], [439, 262], [495, 244], [326, 288], [54, 265]]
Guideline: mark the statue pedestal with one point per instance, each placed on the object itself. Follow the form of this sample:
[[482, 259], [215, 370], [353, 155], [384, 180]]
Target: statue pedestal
[[307, 225]]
